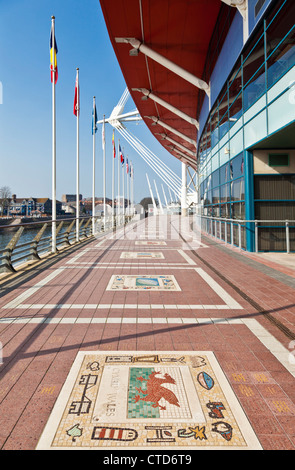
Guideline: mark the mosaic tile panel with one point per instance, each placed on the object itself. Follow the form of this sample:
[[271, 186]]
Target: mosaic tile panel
[[141, 255], [144, 400], [146, 282], [150, 242]]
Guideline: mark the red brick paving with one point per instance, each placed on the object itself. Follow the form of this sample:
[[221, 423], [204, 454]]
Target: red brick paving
[[37, 357]]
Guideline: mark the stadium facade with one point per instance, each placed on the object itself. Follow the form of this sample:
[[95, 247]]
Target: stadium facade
[[229, 66]]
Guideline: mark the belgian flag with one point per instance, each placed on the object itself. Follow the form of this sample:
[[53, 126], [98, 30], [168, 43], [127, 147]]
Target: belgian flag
[[53, 53]]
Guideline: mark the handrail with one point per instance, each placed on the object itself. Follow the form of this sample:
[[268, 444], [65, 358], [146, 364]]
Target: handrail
[[49, 221], [287, 224], [224, 219], [14, 252]]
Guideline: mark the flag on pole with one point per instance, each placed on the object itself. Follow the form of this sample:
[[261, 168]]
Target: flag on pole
[[77, 97], [94, 120], [121, 154], [127, 166], [53, 52], [114, 146], [103, 137]]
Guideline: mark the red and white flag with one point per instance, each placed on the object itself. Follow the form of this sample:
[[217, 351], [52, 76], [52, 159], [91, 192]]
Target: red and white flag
[[77, 97]]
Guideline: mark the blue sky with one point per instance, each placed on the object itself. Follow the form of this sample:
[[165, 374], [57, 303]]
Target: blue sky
[[26, 114]]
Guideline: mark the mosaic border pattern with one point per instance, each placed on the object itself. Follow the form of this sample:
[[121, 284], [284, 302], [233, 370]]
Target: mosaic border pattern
[[78, 422]]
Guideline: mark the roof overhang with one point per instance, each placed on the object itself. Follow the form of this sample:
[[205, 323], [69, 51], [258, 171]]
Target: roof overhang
[[161, 47]]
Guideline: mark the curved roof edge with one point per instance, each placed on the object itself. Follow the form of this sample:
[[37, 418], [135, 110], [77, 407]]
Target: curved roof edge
[[161, 47]]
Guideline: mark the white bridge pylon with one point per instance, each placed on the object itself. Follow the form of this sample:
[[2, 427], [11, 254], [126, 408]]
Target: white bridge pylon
[[118, 120]]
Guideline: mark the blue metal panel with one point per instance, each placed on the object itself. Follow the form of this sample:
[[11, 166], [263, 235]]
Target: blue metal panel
[[253, 18]]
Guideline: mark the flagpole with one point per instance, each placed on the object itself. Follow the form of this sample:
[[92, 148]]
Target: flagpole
[[123, 172], [77, 164], [132, 184], [113, 183], [128, 190], [104, 176], [53, 210], [133, 189], [93, 168], [119, 200]]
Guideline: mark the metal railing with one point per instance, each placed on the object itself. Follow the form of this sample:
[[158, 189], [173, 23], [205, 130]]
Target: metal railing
[[17, 252], [233, 231]]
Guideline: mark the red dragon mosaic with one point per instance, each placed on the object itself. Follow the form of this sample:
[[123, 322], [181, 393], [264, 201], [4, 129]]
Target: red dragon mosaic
[[155, 391]]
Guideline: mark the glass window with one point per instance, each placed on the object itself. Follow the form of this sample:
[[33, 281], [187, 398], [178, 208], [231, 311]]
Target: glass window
[[253, 57], [236, 110], [255, 88], [215, 211], [237, 166], [235, 86], [225, 210], [208, 135], [215, 196], [238, 210], [223, 126], [207, 197], [224, 173], [223, 114], [279, 24], [214, 127], [237, 190], [281, 59], [215, 179], [202, 190], [254, 74], [224, 193], [207, 191]]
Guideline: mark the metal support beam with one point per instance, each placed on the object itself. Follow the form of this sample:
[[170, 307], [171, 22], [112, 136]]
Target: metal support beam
[[183, 158], [139, 46], [165, 137], [242, 7], [152, 96], [171, 129], [192, 179]]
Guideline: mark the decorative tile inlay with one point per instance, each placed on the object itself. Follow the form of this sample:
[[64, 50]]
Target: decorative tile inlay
[[150, 242], [147, 400], [141, 255], [145, 282]]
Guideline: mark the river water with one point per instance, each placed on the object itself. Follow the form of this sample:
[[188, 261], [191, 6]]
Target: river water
[[27, 236]]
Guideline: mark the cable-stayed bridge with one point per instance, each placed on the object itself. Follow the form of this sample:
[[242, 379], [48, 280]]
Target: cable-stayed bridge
[[178, 185]]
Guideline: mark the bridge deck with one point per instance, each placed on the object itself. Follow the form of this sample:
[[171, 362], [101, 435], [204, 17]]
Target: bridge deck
[[152, 298]]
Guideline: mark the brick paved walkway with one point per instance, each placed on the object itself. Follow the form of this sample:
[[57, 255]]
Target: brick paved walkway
[[128, 293]]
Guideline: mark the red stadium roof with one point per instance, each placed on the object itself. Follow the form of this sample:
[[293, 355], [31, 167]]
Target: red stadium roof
[[179, 30]]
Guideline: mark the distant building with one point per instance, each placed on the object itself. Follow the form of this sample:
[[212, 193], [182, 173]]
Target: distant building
[[31, 206], [70, 198]]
